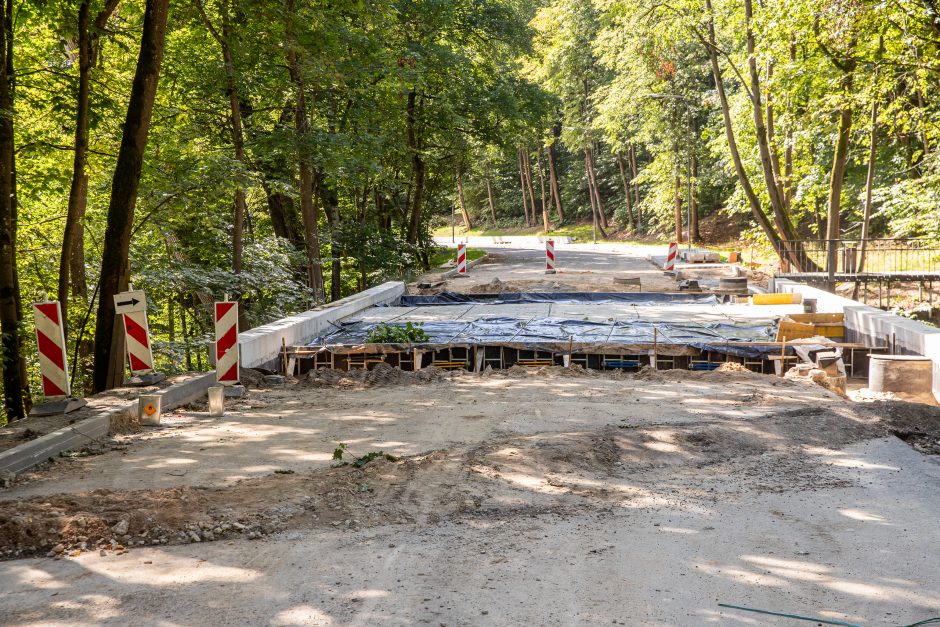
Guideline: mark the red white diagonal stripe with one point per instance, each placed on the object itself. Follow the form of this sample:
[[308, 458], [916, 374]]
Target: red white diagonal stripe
[[53, 360], [226, 343], [549, 254], [137, 333], [461, 258], [671, 256]]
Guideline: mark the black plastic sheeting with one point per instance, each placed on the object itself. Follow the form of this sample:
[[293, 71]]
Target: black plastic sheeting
[[506, 298], [553, 334]]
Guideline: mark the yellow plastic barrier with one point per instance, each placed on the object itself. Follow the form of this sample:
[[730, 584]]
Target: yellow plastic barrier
[[777, 299]]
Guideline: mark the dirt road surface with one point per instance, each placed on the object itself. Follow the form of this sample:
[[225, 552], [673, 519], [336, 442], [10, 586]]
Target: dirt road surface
[[547, 497]]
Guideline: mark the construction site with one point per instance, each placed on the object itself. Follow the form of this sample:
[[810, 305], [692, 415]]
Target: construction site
[[563, 435]]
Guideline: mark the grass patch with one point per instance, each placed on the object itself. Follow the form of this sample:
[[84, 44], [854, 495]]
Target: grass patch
[[443, 255]]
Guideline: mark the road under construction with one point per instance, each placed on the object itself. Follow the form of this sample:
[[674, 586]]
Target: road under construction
[[617, 463]]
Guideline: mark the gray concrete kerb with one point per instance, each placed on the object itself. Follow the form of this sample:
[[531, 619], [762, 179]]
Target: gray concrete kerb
[[93, 428]]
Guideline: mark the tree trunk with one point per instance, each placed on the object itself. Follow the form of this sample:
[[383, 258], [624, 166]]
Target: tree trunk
[[308, 212], [626, 192], [553, 180], [417, 167], [677, 208], [10, 355], [772, 144], [489, 198], [109, 358], [72, 255], [694, 235], [527, 168], [463, 201], [743, 180], [636, 187], [238, 137], [538, 164], [597, 208], [837, 176], [601, 211], [525, 203], [330, 198], [869, 183], [781, 218]]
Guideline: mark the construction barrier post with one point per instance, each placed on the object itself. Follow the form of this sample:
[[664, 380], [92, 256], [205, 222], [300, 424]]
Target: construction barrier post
[[671, 257], [132, 307], [53, 361], [226, 343], [461, 259], [549, 256]]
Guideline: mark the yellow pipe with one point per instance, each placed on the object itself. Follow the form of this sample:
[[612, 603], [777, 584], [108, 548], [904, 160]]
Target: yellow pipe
[[777, 299]]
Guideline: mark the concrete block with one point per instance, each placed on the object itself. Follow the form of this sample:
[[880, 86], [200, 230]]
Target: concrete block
[[261, 346], [872, 326]]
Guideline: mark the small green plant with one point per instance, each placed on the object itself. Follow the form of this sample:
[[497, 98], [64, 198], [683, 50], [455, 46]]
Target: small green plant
[[395, 334], [359, 462]]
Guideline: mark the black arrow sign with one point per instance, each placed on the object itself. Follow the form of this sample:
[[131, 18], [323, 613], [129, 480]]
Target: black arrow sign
[[125, 303]]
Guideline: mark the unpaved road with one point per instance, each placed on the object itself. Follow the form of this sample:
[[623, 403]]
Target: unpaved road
[[580, 268], [547, 497], [529, 497]]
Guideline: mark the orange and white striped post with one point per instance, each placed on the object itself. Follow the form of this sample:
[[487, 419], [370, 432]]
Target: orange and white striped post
[[671, 256], [549, 256], [53, 360], [226, 343], [461, 259]]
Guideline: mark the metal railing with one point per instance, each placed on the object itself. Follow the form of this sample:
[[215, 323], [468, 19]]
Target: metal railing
[[870, 256]]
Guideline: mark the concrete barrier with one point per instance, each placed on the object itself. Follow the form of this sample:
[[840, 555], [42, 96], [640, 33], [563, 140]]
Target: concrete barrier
[[873, 326], [502, 240], [261, 347]]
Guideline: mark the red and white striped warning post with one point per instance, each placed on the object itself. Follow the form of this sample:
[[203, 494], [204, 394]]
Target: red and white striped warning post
[[132, 307], [139, 352], [53, 361], [550, 256], [461, 258], [226, 343], [671, 256]]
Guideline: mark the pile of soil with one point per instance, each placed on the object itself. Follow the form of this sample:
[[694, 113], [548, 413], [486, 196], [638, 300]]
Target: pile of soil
[[603, 467], [915, 423], [381, 375]]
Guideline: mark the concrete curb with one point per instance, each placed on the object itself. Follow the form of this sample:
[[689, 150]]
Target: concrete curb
[[261, 347], [28, 454], [871, 325], [453, 271]]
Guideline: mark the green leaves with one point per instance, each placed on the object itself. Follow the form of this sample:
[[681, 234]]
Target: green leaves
[[410, 333]]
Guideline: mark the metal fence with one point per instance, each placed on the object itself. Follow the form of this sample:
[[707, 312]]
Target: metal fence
[[871, 256]]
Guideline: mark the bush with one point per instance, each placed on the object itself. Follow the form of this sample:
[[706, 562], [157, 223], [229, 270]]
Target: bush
[[395, 334]]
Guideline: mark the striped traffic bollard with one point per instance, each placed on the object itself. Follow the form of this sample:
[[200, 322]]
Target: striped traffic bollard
[[671, 257], [461, 259], [53, 361], [549, 256], [139, 353], [132, 307], [226, 343]]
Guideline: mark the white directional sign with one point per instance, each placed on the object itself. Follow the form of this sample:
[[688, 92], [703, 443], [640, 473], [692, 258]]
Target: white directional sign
[[129, 302]]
